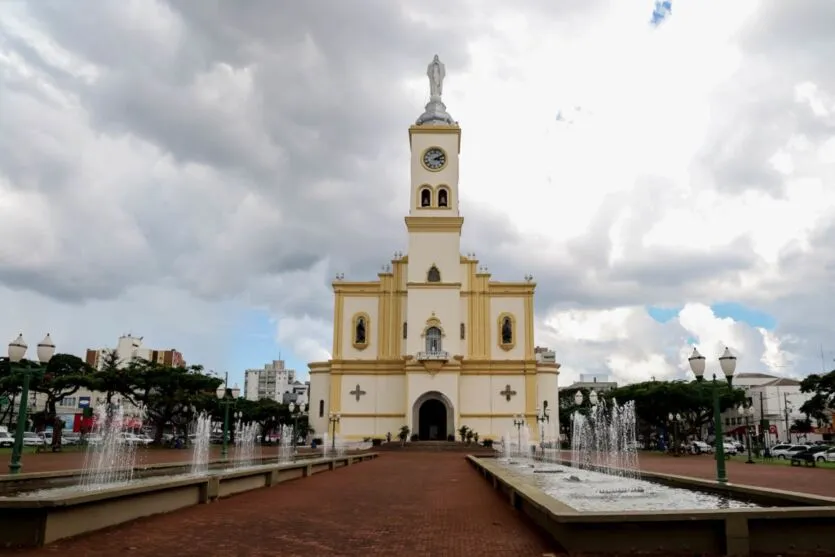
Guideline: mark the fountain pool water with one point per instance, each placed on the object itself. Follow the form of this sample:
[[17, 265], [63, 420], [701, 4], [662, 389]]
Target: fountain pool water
[[110, 460], [201, 446], [589, 491]]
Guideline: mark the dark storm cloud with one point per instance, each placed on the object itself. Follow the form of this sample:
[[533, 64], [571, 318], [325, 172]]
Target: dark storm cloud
[[316, 114]]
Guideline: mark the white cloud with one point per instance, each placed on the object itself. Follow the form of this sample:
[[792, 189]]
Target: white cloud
[[628, 345]]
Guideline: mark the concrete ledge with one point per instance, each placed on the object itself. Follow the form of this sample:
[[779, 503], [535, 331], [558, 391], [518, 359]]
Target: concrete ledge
[[33, 521], [803, 524]]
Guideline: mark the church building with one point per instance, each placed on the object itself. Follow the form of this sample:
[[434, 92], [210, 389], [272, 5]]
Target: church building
[[434, 343]]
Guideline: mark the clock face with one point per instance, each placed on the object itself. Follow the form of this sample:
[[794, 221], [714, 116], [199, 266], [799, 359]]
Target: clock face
[[434, 158]]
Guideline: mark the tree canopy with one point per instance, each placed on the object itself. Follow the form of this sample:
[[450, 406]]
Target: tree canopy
[[822, 403]]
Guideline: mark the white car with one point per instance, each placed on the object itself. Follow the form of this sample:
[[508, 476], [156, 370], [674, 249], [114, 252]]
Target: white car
[[700, 447], [730, 448], [32, 439], [787, 451], [6, 439], [132, 439], [827, 456]]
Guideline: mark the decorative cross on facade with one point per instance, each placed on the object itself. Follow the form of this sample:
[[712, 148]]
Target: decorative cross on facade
[[359, 392], [507, 393]]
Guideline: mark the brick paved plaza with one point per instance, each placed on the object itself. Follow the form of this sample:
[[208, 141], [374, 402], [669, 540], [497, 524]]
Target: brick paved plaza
[[409, 503], [415, 504]]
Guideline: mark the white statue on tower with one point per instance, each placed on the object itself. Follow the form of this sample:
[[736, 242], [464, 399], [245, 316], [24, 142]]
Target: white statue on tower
[[435, 113], [436, 72]]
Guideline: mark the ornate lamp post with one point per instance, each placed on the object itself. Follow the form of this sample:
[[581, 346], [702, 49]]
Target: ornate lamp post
[[333, 419], [543, 416], [727, 362], [747, 413], [17, 350], [593, 398], [226, 401], [518, 422], [302, 411], [674, 419]]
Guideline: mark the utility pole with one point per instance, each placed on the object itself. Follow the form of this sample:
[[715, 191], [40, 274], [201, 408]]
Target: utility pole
[[786, 413], [764, 424]]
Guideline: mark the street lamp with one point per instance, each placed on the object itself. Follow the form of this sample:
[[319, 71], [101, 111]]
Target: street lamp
[[17, 350], [518, 422], [226, 401], [675, 418], [543, 415], [727, 362], [747, 413], [593, 398], [296, 415], [333, 419]]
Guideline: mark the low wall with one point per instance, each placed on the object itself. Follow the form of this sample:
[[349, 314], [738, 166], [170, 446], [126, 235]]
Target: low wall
[[804, 524], [33, 522]]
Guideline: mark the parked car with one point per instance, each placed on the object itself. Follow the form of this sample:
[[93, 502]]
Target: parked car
[[700, 447], [70, 439], [808, 456], [133, 439], [729, 448], [827, 455], [787, 452], [32, 439], [6, 439]]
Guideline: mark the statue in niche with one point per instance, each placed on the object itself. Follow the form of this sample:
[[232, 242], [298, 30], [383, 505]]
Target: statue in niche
[[507, 331], [442, 198], [425, 198], [463, 331], [434, 275], [359, 333], [405, 330]]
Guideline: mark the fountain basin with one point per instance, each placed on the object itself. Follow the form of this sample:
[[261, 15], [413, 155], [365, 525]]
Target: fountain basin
[[796, 523], [31, 481], [35, 520]]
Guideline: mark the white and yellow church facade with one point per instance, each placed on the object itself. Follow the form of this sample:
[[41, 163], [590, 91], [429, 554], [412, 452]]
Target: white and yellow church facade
[[434, 343]]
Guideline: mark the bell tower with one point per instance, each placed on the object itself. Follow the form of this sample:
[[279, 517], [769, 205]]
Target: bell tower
[[434, 222]]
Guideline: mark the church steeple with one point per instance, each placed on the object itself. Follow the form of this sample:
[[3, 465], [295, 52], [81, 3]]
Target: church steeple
[[435, 141]]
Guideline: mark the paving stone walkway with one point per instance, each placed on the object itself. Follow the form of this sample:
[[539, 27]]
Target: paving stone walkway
[[415, 504]]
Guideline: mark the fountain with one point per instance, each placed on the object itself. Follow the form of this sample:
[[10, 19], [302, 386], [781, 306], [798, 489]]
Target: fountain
[[285, 448], [246, 434], [605, 439], [201, 445], [110, 460]]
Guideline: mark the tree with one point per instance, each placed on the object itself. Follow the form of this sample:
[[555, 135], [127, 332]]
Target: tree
[[63, 376], [693, 400], [822, 402], [169, 393]]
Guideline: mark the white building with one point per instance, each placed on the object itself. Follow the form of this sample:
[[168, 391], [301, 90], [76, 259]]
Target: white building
[[272, 382], [434, 343], [775, 399], [129, 348], [598, 383]]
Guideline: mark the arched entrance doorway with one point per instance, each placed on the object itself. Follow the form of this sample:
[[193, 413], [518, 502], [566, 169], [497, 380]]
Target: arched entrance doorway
[[432, 417], [432, 420]]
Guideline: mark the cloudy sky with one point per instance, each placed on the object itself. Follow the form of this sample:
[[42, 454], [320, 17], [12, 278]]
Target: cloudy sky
[[197, 171]]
